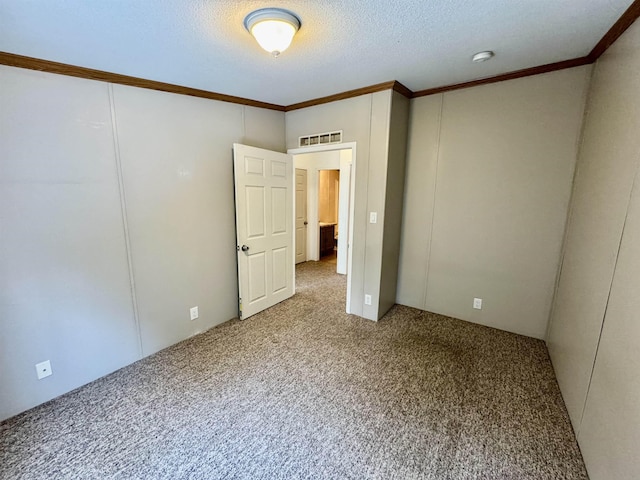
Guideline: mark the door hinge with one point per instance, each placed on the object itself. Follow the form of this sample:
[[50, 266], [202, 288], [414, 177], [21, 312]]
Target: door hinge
[[240, 308]]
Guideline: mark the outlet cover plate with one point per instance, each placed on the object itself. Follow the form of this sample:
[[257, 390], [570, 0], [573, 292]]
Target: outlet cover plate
[[193, 311], [477, 303], [43, 369]]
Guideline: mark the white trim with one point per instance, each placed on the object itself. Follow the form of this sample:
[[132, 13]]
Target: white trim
[[323, 148]]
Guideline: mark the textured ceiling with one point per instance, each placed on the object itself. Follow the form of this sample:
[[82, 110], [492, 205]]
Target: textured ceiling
[[342, 45]]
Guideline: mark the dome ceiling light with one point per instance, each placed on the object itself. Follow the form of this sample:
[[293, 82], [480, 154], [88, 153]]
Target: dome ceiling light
[[273, 28]]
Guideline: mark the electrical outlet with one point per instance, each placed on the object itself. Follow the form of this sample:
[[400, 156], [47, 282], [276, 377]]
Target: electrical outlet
[[373, 217], [193, 311], [367, 299], [477, 303], [43, 369]]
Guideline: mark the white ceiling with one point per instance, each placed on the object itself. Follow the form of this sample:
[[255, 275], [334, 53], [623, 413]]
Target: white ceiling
[[342, 45]]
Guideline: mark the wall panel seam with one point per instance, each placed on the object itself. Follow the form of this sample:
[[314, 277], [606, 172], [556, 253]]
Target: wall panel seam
[[433, 204], [125, 221], [606, 308], [568, 221]]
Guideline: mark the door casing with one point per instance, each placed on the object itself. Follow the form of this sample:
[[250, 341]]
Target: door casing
[[351, 201]]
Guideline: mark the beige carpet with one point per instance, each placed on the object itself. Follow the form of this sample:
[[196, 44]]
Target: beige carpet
[[306, 391]]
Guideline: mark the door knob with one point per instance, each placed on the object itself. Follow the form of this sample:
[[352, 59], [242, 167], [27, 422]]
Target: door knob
[[245, 248], [306, 222]]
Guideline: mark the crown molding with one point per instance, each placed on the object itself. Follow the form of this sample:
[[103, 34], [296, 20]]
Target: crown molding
[[526, 72], [624, 22], [379, 87], [20, 61], [401, 89]]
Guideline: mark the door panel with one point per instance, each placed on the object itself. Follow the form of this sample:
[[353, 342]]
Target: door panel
[[264, 187], [278, 210], [254, 166], [257, 277], [279, 169], [280, 259], [301, 215], [255, 205]]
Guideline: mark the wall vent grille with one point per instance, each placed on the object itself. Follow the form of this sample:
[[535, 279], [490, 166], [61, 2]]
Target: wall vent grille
[[320, 139]]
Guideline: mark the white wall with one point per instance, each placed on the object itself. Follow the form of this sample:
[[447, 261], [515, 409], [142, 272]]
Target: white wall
[[173, 149], [64, 278], [594, 335], [488, 183], [106, 192]]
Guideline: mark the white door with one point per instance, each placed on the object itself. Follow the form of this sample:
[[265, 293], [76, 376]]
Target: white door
[[301, 215], [264, 227]]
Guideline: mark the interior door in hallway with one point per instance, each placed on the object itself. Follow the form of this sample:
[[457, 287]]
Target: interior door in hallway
[[264, 190], [301, 215]]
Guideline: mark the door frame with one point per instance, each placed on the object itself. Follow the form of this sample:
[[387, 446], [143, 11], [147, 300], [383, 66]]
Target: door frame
[[352, 190]]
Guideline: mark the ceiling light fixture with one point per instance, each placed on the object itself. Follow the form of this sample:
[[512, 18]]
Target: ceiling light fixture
[[483, 56], [273, 28]]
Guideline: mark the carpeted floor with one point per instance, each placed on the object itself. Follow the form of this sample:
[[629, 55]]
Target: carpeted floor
[[305, 391]]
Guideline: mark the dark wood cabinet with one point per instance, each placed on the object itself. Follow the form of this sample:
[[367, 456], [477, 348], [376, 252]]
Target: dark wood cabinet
[[327, 235]]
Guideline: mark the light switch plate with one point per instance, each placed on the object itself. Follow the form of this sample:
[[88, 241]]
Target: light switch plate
[[367, 299], [373, 217]]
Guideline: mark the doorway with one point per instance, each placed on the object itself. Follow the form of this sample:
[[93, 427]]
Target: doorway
[[328, 208], [317, 162]]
